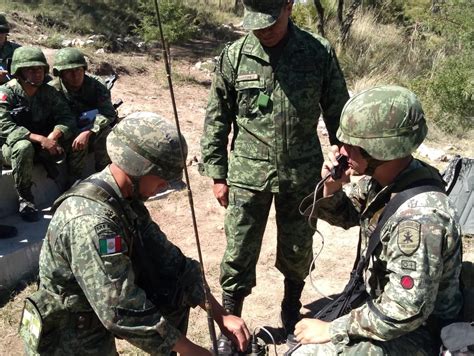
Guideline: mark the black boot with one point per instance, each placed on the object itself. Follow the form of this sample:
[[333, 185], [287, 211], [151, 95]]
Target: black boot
[[27, 208], [290, 307], [233, 305]]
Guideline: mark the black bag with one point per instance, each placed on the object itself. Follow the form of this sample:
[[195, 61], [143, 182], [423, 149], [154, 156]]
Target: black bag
[[458, 338]]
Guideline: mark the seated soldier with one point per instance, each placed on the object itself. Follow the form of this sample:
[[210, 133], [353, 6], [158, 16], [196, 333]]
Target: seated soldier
[[90, 102], [6, 49], [410, 243], [35, 122]]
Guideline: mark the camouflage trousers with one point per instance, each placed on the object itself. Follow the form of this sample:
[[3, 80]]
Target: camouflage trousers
[[415, 343], [97, 145], [245, 222], [69, 339], [22, 155]]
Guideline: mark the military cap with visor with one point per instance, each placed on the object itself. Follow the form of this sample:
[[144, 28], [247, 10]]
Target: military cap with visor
[[260, 14], [4, 25]]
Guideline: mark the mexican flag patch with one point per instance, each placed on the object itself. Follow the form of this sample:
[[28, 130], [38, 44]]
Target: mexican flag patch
[[110, 245]]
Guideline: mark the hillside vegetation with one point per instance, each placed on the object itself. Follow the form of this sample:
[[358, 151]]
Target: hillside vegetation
[[426, 45]]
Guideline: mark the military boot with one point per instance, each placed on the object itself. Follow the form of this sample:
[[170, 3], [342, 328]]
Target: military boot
[[27, 209], [233, 305], [290, 308]]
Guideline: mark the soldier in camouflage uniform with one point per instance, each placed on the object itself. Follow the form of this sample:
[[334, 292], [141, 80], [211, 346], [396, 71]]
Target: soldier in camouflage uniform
[[412, 279], [270, 88], [6, 49], [106, 269], [35, 122], [84, 93]]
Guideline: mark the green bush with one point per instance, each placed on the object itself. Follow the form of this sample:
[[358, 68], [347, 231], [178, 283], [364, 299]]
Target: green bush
[[177, 21], [448, 95]]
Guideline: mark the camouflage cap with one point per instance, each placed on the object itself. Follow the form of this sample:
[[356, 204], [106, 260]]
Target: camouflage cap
[[145, 143], [25, 57], [386, 121], [4, 25], [261, 14], [68, 58]]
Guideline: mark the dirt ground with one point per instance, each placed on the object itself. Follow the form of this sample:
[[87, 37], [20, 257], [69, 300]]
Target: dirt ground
[[146, 90]]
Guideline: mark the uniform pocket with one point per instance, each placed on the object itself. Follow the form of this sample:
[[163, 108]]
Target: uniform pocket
[[247, 97]]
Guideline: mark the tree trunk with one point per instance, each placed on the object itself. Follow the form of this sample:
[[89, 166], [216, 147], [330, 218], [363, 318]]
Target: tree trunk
[[347, 23], [320, 10], [340, 9]]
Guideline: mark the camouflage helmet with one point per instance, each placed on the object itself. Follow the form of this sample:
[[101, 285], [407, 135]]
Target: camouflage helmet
[[145, 143], [25, 57], [261, 14], [4, 25], [68, 58], [386, 121]]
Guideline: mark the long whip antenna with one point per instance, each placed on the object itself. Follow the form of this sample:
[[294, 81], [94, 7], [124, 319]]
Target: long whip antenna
[[210, 320]]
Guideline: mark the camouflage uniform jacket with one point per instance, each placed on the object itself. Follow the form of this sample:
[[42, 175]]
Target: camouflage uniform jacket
[[47, 111], [92, 95], [74, 266], [414, 272], [273, 112], [6, 54]]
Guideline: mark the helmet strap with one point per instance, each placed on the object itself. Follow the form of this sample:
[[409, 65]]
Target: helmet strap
[[372, 163], [136, 188]]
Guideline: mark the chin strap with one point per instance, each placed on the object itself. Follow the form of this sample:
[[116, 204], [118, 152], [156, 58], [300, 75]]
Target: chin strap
[[210, 319]]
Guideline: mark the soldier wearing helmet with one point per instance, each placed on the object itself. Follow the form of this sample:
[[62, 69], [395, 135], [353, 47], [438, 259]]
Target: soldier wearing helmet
[[415, 257], [107, 270], [90, 102], [35, 123], [269, 89], [6, 49]]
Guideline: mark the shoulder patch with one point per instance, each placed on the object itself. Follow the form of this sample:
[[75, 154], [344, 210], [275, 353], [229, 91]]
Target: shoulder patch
[[104, 229], [408, 236], [3, 98], [409, 265], [111, 244]]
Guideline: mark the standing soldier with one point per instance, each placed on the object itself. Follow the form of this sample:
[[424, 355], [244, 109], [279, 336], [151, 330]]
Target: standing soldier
[[410, 242], [35, 121], [90, 102], [6, 49], [107, 270], [270, 88]]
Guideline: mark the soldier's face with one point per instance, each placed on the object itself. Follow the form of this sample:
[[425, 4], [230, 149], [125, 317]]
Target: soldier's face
[[3, 38], [356, 161], [73, 78], [151, 185], [271, 36], [33, 75]]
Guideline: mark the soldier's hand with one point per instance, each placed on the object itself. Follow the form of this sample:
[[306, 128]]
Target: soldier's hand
[[331, 185], [221, 192], [81, 141], [312, 331], [236, 330], [3, 76], [51, 146]]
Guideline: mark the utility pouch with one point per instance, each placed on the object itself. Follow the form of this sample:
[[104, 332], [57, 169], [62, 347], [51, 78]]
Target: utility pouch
[[31, 325], [41, 318]]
